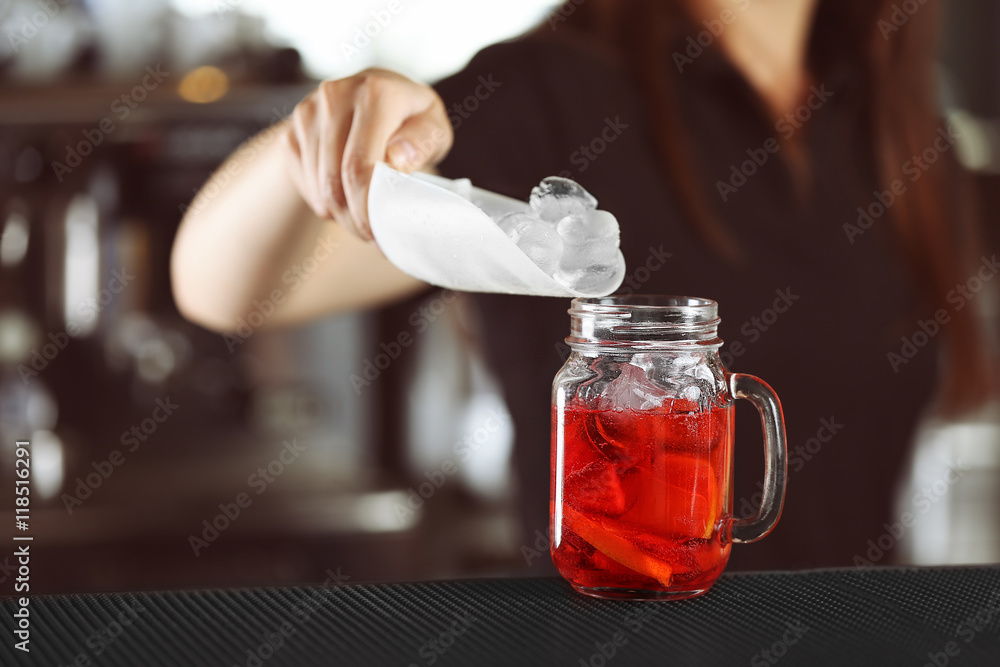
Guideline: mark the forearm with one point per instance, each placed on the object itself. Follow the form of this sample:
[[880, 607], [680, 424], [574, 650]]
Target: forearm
[[245, 222], [250, 239]]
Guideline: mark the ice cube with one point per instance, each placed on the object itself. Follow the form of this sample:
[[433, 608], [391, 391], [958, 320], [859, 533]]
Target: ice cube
[[702, 384], [633, 390], [462, 187], [576, 258], [692, 393], [588, 240], [565, 236], [594, 278], [512, 221], [603, 370], [536, 238], [623, 432], [591, 226], [700, 372], [658, 365], [696, 383], [555, 198], [543, 246]]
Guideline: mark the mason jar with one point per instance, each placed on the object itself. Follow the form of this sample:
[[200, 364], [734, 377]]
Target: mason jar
[[642, 450]]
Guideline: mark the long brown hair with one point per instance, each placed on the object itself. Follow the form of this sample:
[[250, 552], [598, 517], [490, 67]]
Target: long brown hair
[[937, 239]]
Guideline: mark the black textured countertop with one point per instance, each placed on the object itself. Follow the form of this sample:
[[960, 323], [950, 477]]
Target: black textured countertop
[[885, 616]]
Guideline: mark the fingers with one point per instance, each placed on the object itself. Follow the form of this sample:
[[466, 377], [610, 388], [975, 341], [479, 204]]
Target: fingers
[[311, 131], [406, 126], [304, 150], [422, 140], [383, 104], [344, 127], [335, 117]]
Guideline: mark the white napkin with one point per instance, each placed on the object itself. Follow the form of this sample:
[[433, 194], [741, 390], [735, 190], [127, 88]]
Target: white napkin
[[438, 236]]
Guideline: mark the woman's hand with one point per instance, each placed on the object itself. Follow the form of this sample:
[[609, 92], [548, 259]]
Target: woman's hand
[[341, 129]]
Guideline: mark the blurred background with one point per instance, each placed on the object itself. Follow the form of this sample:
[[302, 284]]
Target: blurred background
[[166, 456]]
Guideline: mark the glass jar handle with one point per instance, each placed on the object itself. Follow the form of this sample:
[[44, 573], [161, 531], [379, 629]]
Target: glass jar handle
[[758, 392]]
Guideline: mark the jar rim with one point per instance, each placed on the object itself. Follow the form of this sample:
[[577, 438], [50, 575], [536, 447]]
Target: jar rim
[[644, 321], [647, 301]]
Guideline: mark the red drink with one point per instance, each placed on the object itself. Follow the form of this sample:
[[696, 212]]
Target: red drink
[[641, 499]]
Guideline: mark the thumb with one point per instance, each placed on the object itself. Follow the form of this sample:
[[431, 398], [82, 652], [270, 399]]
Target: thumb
[[422, 141]]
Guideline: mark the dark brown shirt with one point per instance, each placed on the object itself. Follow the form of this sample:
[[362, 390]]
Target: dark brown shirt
[[811, 312]]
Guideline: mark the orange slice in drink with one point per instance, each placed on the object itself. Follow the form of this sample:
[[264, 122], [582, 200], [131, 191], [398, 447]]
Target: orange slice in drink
[[713, 504], [713, 514], [680, 496], [618, 548]]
